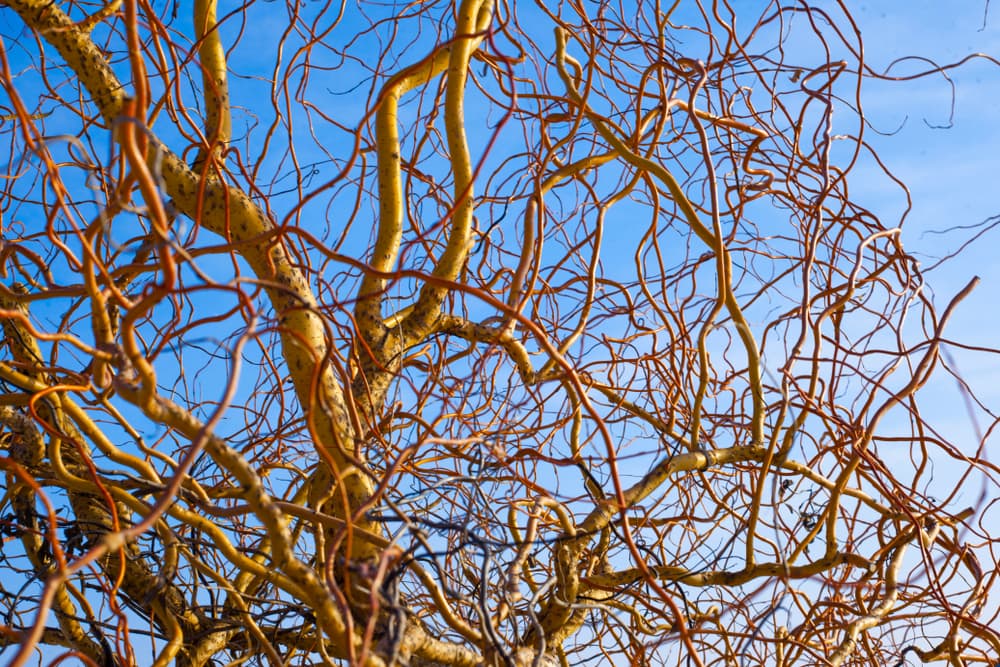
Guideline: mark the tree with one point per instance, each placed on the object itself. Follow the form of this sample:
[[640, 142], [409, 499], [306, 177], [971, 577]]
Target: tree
[[473, 334]]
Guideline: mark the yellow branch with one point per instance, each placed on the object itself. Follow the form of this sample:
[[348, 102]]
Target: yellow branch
[[229, 212], [368, 311], [703, 578], [215, 83], [473, 19], [454, 57], [710, 238]]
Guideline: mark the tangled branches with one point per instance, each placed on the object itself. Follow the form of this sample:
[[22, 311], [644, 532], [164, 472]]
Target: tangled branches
[[472, 334]]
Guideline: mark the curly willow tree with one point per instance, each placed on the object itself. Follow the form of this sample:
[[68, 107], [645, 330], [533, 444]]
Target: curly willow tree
[[466, 334]]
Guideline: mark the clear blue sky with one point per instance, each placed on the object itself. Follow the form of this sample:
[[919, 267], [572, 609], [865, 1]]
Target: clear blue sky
[[951, 172]]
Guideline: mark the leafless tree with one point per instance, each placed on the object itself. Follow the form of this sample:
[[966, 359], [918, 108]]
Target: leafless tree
[[467, 334]]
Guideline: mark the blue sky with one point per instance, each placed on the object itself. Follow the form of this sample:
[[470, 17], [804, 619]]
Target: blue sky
[[951, 172]]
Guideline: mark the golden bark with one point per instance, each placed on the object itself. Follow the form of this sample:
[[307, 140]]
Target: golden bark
[[469, 333]]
